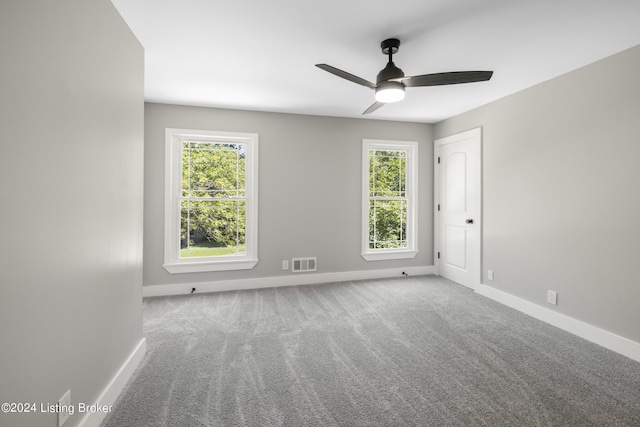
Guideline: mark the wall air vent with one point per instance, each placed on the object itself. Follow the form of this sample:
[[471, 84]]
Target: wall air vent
[[303, 265]]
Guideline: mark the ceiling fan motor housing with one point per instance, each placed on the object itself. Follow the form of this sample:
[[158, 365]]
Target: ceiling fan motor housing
[[389, 72]]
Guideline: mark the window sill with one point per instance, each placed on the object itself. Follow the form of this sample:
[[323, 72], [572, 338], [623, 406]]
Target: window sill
[[203, 266], [381, 256]]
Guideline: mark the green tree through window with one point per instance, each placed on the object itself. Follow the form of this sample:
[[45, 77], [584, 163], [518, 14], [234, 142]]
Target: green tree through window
[[213, 200], [387, 199]]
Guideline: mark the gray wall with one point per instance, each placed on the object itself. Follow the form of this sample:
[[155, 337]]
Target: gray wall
[[309, 188], [561, 198], [71, 176]]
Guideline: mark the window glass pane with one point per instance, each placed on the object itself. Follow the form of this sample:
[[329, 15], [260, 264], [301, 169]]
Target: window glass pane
[[387, 224], [213, 169], [212, 228], [387, 173]]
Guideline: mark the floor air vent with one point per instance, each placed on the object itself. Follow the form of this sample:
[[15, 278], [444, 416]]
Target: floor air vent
[[302, 265]]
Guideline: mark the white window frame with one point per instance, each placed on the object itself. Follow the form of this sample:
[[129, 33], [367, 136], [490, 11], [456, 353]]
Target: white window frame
[[411, 189], [173, 187]]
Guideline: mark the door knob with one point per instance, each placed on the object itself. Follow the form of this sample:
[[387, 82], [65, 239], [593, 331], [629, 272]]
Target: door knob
[[469, 221]]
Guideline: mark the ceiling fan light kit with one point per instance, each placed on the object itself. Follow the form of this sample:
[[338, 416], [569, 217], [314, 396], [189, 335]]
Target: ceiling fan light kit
[[391, 81], [389, 92]]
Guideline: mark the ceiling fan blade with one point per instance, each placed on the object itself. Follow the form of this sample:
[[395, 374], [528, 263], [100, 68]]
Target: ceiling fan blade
[[373, 107], [451, 78], [347, 76]]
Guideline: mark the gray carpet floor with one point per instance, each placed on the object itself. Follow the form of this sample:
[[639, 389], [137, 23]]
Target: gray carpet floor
[[414, 351]]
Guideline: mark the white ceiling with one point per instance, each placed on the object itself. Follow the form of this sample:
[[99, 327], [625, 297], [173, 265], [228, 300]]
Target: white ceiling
[[260, 55]]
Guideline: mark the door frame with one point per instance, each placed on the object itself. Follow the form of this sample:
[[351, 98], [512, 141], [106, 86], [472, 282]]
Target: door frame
[[475, 133]]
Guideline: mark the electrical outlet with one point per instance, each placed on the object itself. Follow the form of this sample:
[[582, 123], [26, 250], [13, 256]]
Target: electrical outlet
[[285, 264], [64, 408], [490, 274], [552, 297]]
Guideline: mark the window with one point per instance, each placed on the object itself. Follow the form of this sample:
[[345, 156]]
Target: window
[[211, 201], [389, 192]]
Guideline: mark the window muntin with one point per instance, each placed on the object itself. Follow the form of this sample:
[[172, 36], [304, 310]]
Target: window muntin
[[389, 199], [211, 202]]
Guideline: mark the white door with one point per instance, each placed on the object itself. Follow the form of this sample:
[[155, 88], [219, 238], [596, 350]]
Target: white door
[[458, 207]]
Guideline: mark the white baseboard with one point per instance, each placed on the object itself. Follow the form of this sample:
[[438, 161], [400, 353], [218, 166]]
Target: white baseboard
[[277, 281], [606, 339], [116, 385]]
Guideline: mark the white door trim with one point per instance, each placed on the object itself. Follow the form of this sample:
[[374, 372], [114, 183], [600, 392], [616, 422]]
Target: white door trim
[[472, 133]]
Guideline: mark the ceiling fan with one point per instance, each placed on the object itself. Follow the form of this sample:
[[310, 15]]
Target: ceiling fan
[[391, 81]]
